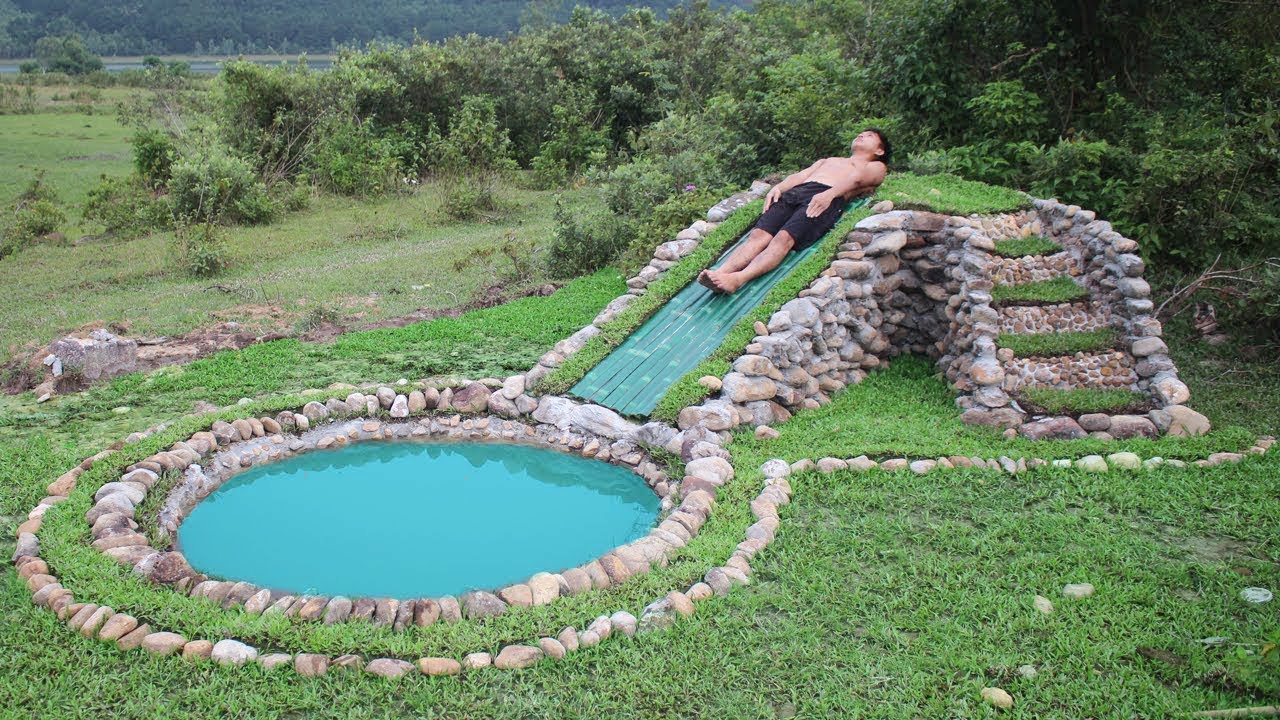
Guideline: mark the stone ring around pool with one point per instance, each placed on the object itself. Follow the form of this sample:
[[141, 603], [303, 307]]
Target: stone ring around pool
[[314, 521]]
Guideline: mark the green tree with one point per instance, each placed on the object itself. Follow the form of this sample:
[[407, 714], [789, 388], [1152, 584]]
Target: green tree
[[66, 54]]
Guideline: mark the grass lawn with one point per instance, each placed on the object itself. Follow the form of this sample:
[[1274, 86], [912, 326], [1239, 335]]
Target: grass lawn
[[885, 595], [73, 150], [360, 260]]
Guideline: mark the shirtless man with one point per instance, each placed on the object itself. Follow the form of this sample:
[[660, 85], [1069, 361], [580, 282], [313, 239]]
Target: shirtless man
[[801, 209]]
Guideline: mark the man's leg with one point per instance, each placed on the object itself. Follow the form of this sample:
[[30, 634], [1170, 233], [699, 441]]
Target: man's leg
[[764, 261], [756, 242]]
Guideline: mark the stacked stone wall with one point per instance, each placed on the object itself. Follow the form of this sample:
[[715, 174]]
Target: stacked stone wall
[[921, 282]]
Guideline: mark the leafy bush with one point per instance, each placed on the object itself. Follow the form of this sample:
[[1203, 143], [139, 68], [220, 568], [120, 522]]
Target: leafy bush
[[351, 158], [32, 216], [294, 197], [585, 244], [576, 143], [476, 143], [1007, 111], [211, 184], [126, 208], [66, 54], [633, 189], [200, 248], [153, 154], [28, 222]]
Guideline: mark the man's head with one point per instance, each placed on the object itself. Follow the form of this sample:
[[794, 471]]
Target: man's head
[[873, 142]]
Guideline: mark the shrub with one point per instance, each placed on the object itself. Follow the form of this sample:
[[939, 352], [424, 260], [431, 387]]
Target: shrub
[[576, 142], [200, 249], [213, 185], [33, 215], [294, 197], [126, 208], [467, 199], [351, 158], [634, 189], [66, 54], [153, 155], [29, 67], [28, 222], [586, 244], [476, 142]]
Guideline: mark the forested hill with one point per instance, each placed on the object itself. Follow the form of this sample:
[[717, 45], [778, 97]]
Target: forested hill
[[137, 27]]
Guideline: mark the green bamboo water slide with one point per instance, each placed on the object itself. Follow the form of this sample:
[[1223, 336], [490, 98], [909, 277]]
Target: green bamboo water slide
[[633, 377]]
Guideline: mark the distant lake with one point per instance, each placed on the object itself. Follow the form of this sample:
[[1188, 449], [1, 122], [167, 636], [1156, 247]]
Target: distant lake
[[199, 66]]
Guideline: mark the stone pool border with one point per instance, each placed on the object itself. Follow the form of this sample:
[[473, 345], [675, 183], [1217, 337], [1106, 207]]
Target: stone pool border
[[226, 448], [128, 633], [102, 622]]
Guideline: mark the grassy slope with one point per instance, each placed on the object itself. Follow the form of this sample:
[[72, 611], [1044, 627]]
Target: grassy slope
[[366, 260], [73, 149], [893, 596], [362, 258]]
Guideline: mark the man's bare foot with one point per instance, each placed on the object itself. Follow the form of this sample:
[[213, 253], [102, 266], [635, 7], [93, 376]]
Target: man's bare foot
[[723, 282], [704, 278]]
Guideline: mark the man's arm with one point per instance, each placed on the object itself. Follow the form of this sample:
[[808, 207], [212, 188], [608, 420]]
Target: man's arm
[[866, 178], [789, 182]]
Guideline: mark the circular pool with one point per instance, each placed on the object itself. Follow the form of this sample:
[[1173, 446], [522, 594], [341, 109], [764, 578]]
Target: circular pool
[[410, 519]]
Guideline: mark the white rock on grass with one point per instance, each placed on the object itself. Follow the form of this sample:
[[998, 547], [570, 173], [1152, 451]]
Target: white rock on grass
[[1077, 591], [1124, 460], [1043, 604], [998, 698], [1091, 463], [233, 652]]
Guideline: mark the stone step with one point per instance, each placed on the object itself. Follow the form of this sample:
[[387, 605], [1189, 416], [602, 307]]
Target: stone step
[[1035, 268], [1103, 369], [1077, 316]]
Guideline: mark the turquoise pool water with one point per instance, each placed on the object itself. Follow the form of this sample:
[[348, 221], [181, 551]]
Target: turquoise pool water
[[408, 519]]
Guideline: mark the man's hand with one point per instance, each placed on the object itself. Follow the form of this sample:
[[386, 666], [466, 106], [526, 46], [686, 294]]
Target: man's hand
[[772, 197], [819, 204]]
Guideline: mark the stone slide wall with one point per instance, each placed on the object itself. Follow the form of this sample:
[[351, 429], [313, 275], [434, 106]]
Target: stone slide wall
[[921, 282]]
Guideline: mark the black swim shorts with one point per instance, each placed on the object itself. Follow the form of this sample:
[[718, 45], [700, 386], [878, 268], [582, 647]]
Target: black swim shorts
[[788, 213]]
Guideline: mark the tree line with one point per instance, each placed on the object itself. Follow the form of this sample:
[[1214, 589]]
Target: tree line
[[116, 27]]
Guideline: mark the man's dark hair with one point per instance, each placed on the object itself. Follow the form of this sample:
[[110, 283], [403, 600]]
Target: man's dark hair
[[884, 144]]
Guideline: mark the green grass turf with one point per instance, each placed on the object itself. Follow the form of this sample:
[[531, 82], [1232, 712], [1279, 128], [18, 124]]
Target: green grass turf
[[497, 341], [1044, 292], [1058, 343], [886, 596], [1023, 247], [949, 194], [1084, 400], [905, 410]]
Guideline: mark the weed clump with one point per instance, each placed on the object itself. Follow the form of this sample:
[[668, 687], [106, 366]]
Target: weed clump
[[33, 216], [200, 249]]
